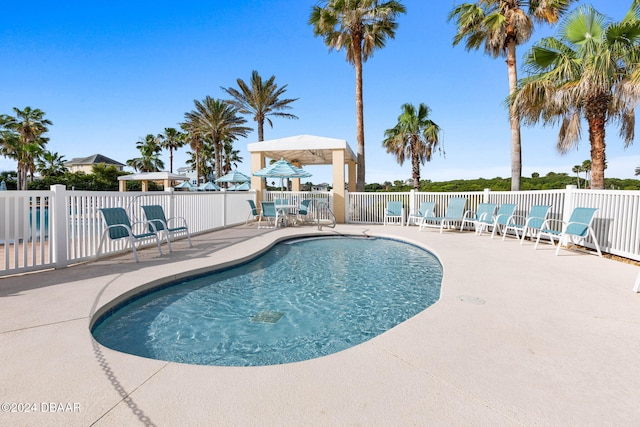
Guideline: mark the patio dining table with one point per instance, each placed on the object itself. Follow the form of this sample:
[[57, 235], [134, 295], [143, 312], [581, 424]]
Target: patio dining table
[[284, 211]]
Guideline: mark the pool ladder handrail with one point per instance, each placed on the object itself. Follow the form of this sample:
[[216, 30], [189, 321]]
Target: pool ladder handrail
[[324, 205]]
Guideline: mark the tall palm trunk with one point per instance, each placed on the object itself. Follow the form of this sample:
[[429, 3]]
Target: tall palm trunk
[[415, 165], [170, 159], [218, 156], [596, 114], [22, 176], [260, 121], [598, 156], [514, 120], [197, 150], [359, 115]]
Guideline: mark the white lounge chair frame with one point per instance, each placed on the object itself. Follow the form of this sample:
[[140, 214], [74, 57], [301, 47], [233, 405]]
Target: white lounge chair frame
[[574, 229], [394, 211], [453, 215], [528, 225], [417, 215], [480, 218]]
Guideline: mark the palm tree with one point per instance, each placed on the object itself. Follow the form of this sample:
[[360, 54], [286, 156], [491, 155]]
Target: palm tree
[[586, 168], [502, 25], [51, 164], [231, 157], [202, 161], [195, 143], [577, 169], [414, 137], [261, 100], [171, 140], [590, 70], [361, 27], [21, 139], [217, 122], [150, 160]]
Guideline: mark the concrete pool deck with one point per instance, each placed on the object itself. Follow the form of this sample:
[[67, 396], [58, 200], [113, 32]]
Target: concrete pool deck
[[518, 337]]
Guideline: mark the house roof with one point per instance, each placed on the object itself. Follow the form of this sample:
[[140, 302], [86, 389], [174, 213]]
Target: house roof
[[93, 160]]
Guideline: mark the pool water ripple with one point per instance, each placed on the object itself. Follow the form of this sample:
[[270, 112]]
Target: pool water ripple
[[327, 295]]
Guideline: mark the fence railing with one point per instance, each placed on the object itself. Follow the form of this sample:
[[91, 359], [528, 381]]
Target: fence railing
[[616, 224], [47, 229]]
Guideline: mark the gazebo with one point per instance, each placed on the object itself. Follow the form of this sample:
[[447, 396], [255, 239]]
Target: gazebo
[[165, 177], [304, 150]]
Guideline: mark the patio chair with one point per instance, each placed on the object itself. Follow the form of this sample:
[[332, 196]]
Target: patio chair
[[527, 225], [270, 213], [482, 216], [118, 226], [254, 214], [501, 219], [174, 225], [304, 211], [577, 227], [426, 210], [454, 214], [394, 211]]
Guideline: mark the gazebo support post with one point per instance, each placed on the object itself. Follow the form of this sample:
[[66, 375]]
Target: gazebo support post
[[338, 185], [257, 183]]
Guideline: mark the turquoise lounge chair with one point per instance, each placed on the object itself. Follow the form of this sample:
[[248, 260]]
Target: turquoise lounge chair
[[501, 219], [254, 214], [158, 222], [426, 210], [118, 226], [303, 214], [394, 211], [484, 215], [530, 225], [578, 227], [453, 215], [270, 213]]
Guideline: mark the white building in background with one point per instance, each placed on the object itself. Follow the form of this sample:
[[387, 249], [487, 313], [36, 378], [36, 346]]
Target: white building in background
[[85, 164], [321, 187], [190, 173]]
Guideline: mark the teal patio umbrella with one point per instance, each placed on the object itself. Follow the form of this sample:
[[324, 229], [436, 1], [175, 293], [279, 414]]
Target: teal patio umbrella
[[234, 176], [240, 187], [208, 186], [282, 169]]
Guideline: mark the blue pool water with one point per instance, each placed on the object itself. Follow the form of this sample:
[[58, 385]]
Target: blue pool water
[[301, 300]]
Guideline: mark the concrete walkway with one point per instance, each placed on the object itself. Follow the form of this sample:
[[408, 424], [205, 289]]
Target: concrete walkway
[[518, 337]]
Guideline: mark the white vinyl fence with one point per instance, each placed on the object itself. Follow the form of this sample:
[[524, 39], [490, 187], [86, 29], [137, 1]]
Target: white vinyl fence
[[616, 224], [52, 229]]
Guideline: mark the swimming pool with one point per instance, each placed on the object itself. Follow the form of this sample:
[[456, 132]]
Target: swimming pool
[[300, 300]]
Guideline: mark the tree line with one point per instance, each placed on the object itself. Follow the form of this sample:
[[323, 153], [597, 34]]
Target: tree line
[[551, 181]]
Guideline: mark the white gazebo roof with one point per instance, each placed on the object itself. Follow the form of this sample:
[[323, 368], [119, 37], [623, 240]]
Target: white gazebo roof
[[303, 149]]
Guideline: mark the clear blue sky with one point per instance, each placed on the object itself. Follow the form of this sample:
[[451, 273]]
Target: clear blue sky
[[108, 73]]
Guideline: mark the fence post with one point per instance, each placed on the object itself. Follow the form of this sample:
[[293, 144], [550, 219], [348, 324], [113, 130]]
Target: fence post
[[485, 195], [567, 208], [224, 207], [412, 201], [568, 202], [59, 229], [172, 202]]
